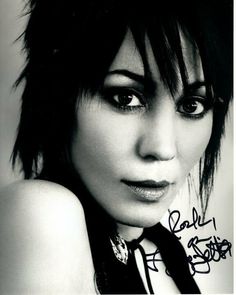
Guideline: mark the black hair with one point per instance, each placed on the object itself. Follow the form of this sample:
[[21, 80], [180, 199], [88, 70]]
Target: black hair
[[69, 47]]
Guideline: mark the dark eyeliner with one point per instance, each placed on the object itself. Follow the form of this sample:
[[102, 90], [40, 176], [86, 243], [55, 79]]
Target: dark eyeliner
[[206, 102], [108, 93]]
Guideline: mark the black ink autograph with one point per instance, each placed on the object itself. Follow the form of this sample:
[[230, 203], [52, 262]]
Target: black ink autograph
[[205, 250], [153, 259], [176, 226]]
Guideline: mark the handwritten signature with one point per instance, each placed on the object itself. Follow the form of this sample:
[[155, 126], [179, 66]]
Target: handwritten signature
[[205, 250], [176, 226]]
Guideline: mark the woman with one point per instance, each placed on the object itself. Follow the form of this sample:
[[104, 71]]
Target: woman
[[115, 94]]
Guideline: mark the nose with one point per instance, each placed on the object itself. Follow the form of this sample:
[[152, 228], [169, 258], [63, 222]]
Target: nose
[[158, 137]]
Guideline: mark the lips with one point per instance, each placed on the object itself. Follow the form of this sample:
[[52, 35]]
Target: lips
[[148, 190]]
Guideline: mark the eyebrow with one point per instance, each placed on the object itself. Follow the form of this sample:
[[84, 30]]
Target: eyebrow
[[196, 85], [131, 75], [149, 85], [191, 87]]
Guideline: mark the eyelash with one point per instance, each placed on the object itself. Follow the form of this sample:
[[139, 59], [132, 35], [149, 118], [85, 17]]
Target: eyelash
[[111, 92], [206, 103]]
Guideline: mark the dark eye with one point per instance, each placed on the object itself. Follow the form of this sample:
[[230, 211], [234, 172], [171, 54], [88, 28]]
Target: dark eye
[[193, 106], [127, 99]]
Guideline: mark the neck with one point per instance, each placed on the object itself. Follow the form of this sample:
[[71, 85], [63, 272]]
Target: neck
[[129, 233]]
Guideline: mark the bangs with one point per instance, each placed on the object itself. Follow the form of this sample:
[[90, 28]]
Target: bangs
[[76, 42], [163, 27], [70, 45], [167, 47]]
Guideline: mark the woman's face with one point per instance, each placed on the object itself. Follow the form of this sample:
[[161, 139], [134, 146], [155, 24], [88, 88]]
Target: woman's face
[[134, 143]]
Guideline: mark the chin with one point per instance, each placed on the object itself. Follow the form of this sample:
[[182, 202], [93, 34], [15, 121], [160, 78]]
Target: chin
[[143, 221]]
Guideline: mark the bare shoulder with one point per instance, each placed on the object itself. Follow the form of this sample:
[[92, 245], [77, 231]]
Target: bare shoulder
[[41, 203], [43, 234], [37, 190]]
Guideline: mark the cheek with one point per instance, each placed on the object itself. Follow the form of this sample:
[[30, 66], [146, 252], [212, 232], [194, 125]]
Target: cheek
[[193, 140], [102, 140]]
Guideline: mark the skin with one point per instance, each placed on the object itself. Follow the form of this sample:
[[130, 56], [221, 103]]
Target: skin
[[44, 244], [157, 142]]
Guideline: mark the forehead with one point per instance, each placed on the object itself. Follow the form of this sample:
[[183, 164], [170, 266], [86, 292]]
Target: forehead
[[129, 58]]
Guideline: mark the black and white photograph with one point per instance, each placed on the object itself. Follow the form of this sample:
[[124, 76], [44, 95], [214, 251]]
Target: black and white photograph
[[116, 147]]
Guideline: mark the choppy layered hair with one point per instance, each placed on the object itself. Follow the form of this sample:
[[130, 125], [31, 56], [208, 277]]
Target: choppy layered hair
[[69, 46]]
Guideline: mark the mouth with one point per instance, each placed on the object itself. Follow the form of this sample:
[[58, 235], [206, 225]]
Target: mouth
[[148, 190]]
